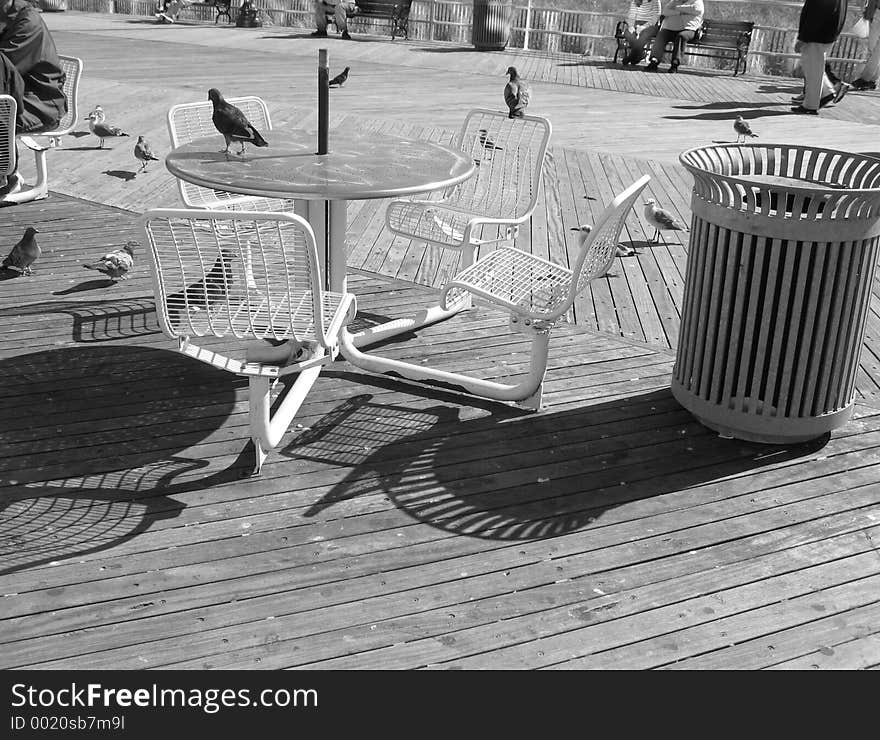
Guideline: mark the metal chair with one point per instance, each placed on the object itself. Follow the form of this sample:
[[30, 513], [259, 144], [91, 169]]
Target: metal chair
[[72, 68], [490, 206], [535, 292], [252, 276], [188, 121]]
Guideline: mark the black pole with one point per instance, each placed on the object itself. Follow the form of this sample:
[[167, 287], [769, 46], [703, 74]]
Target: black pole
[[323, 101]]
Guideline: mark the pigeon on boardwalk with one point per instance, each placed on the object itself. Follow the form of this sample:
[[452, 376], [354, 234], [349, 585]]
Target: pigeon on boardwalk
[[232, 123], [215, 285], [517, 94], [117, 263], [487, 143], [144, 152], [23, 254], [742, 129], [340, 78], [660, 219], [99, 127]]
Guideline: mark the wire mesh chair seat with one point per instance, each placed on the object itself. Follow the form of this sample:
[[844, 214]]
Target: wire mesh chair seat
[[535, 292], [188, 121], [254, 277], [488, 207], [39, 142]]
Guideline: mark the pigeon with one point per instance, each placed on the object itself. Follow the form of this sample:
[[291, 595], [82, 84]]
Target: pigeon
[[660, 219], [117, 263], [144, 152], [99, 127], [487, 143], [23, 254], [340, 78], [517, 94], [214, 286], [232, 123], [742, 129]]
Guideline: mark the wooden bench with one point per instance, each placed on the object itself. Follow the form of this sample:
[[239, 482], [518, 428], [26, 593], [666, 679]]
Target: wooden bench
[[719, 40], [396, 11]]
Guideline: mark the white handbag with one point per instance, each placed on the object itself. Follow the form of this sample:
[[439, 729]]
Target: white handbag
[[861, 29]]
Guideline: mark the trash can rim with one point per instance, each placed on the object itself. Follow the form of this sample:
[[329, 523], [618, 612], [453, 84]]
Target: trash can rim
[[746, 180]]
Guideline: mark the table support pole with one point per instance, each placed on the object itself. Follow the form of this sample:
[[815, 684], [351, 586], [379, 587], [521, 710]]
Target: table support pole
[[318, 221], [337, 250]]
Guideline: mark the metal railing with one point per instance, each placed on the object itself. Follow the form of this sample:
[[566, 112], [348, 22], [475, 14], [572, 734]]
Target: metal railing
[[548, 30]]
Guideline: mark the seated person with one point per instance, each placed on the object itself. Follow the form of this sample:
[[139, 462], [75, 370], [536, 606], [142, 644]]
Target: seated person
[[168, 10], [30, 71], [339, 9], [640, 27], [681, 20]]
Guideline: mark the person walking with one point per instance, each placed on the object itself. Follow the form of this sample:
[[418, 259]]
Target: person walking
[[821, 22], [867, 79]]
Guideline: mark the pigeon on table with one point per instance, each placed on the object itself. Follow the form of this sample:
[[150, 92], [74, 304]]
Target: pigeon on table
[[743, 129], [232, 123], [23, 254], [660, 219], [517, 94], [340, 78], [144, 152], [99, 127], [117, 263]]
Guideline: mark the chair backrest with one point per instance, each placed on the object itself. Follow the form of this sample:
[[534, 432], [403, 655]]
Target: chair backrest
[[600, 247], [8, 112], [225, 274], [510, 155], [72, 68], [188, 121]]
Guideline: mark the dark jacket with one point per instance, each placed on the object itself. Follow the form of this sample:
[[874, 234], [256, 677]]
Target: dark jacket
[[26, 43], [821, 21]]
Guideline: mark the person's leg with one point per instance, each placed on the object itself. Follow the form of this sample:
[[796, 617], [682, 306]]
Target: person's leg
[[341, 17], [640, 42], [815, 81], [871, 69], [658, 48], [679, 47], [320, 18]]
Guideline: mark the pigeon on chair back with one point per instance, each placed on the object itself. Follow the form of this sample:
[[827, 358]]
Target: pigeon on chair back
[[232, 123]]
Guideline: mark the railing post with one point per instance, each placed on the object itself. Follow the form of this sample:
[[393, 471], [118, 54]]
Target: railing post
[[528, 24], [431, 21]]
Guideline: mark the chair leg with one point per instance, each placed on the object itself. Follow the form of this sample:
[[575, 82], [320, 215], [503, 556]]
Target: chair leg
[[267, 428], [526, 393], [40, 188]]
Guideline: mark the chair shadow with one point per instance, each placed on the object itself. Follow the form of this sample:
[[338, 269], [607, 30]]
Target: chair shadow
[[98, 321], [502, 477], [87, 462]]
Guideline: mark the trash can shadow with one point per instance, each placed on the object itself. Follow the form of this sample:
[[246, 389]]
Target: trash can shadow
[[783, 250]]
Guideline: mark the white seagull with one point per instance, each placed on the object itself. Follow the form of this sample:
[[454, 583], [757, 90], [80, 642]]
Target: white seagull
[[660, 219]]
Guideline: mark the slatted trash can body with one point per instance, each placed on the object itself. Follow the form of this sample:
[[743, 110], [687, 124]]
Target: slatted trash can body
[[782, 255], [491, 24]]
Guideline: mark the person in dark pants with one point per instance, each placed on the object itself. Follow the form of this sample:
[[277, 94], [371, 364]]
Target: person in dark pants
[[681, 20], [30, 71], [821, 22]]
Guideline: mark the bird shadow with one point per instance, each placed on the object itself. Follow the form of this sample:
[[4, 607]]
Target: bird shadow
[[78, 134], [84, 286], [84, 148], [450, 50], [726, 115], [7, 274], [125, 175]]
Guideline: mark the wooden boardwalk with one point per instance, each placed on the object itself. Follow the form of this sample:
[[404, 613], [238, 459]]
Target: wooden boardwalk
[[397, 526]]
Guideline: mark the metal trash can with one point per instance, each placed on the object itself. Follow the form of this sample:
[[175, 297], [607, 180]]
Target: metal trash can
[[783, 250], [491, 24]]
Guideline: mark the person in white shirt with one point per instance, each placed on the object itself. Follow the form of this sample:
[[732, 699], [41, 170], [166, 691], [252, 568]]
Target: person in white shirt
[[640, 27], [339, 9], [681, 20], [867, 79]]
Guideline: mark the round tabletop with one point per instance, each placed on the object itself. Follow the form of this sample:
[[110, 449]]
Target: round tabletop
[[358, 166]]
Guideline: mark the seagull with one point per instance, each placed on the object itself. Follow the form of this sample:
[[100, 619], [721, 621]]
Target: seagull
[[144, 152], [117, 263], [23, 254], [517, 94], [340, 78], [742, 129], [660, 219], [232, 123], [98, 112], [99, 127]]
